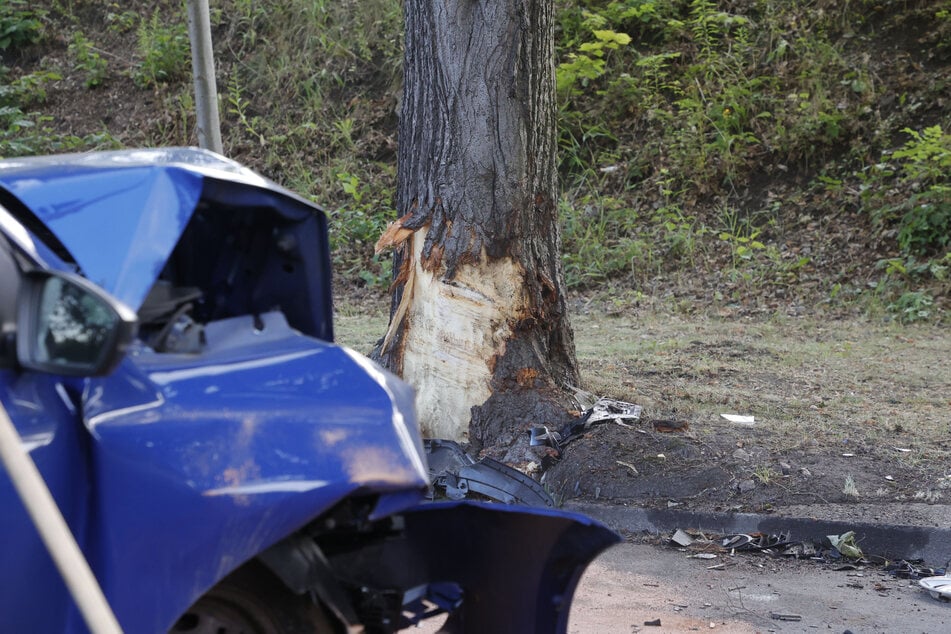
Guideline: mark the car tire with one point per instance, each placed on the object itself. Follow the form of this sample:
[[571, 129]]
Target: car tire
[[252, 600]]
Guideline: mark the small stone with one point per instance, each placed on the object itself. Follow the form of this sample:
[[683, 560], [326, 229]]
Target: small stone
[[785, 467], [742, 455], [745, 486]]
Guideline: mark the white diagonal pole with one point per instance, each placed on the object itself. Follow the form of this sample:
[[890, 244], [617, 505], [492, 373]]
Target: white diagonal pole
[[203, 69], [54, 531]]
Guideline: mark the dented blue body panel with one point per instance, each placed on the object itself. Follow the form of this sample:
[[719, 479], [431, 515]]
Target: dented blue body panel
[[193, 458]]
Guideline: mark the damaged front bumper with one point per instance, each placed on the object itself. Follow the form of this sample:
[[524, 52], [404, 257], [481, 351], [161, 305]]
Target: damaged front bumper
[[492, 568]]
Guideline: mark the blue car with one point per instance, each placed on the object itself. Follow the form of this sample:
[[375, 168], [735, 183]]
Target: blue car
[[167, 359]]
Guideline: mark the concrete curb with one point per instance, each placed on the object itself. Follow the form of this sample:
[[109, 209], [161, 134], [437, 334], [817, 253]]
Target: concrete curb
[[933, 545]]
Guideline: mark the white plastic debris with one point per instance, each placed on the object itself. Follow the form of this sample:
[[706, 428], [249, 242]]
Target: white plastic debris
[[937, 587], [739, 419]]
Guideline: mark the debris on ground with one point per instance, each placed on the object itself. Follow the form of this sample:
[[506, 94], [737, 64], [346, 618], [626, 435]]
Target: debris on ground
[[670, 426], [845, 544], [841, 550], [781, 616], [913, 569], [740, 419], [455, 474], [681, 538], [938, 587], [602, 410]]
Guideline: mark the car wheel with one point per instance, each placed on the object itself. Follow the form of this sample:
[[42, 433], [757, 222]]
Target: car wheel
[[253, 601]]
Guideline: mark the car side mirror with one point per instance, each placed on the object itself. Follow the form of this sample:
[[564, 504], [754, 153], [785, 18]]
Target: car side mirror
[[68, 326]]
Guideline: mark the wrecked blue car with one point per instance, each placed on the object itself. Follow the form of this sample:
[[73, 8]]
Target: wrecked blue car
[[169, 366]]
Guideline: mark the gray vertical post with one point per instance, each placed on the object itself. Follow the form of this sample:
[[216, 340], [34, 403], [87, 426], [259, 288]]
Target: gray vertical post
[[203, 68]]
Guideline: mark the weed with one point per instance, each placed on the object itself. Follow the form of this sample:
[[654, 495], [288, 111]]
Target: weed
[[913, 306], [164, 51], [358, 223], [849, 488], [766, 475], [239, 106], [740, 235], [27, 89], [925, 223], [923, 217], [588, 63], [88, 60], [601, 242]]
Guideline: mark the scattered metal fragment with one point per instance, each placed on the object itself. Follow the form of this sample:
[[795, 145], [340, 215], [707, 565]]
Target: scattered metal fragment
[[782, 616], [913, 569], [654, 623], [757, 541], [602, 410], [610, 409]]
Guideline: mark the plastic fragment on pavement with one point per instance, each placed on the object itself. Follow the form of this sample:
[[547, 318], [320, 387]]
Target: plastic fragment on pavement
[[681, 538], [938, 587]]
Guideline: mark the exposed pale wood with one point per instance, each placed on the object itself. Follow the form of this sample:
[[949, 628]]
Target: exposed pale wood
[[478, 307]]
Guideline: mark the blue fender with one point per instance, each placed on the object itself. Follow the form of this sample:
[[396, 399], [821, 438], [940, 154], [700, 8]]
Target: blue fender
[[203, 461], [517, 568]]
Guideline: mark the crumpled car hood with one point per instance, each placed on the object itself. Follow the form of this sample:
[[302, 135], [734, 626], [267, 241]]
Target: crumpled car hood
[[120, 214]]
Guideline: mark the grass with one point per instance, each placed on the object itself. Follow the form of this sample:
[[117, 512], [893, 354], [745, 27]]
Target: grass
[[839, 383], [858, 398], [835, 383]]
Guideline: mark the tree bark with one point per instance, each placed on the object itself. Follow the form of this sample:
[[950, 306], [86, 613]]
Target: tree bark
[[479, 322]]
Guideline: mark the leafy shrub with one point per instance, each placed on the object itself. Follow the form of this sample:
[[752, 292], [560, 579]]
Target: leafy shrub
[[913, 306], [18, 26], [924, 219]]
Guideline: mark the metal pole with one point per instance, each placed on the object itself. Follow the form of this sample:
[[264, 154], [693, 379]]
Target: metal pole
[[203, 69], [54, 531]]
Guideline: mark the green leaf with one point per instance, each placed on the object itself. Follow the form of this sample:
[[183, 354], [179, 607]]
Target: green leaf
[[622, 39]]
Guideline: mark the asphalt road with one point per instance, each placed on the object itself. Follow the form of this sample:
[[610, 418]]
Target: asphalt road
[[634, 583]]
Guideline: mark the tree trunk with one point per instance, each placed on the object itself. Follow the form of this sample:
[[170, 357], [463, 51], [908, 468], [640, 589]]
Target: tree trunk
[[478, 322]]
